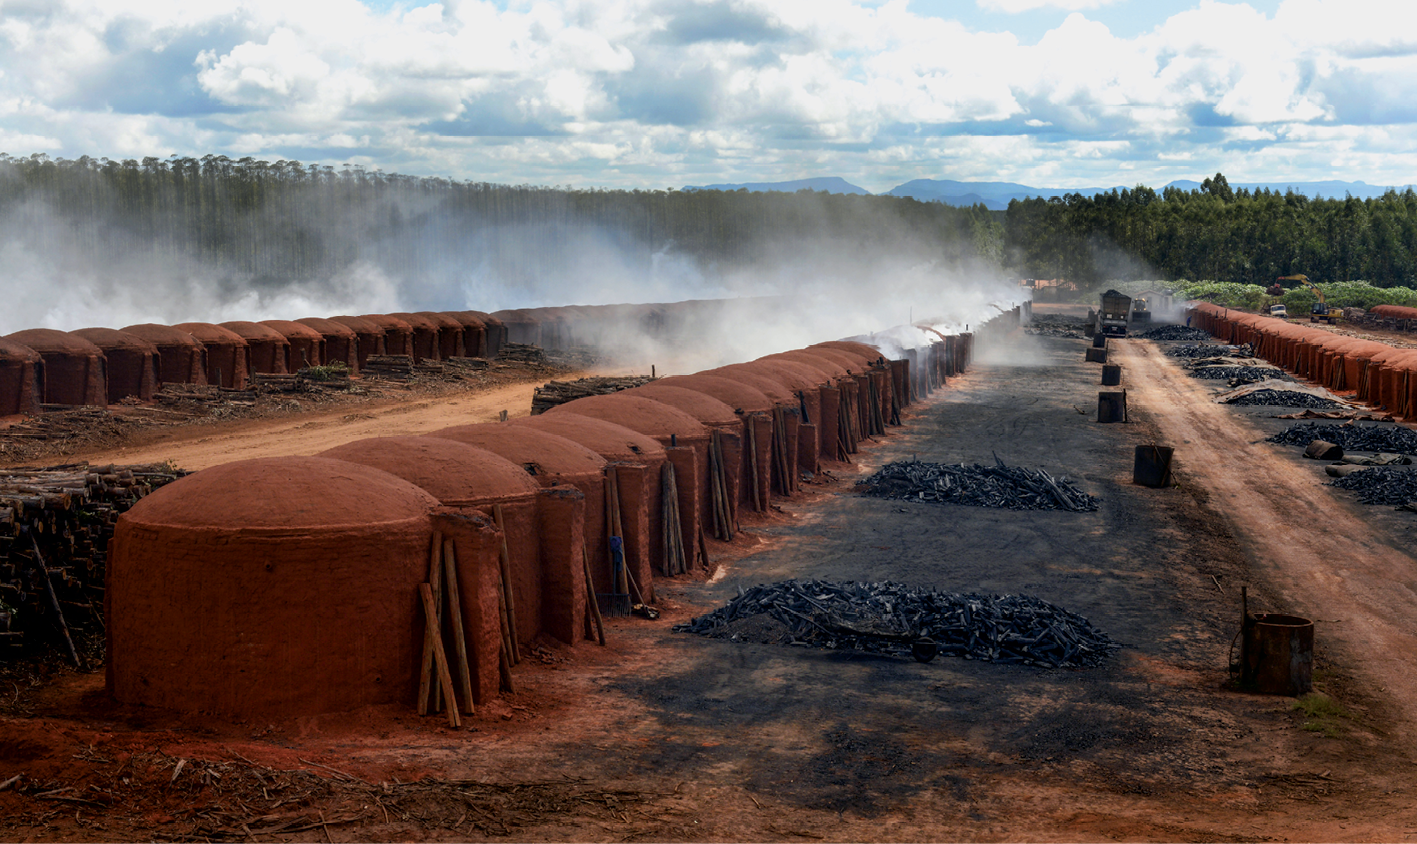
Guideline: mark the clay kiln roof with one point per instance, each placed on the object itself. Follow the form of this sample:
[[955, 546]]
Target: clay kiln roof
[[330, 328], [387, 322], [865, 351], [549, 458], [359, 325], [163, 335], [109, 338], [255, 332], [794, 376], [768, 386], [455, 473], [292, 330], [487, 319], [50, 341], [698, 404], [611, 441], [734, 393], [852, 363], [212, 334], [441, 320], [11, 350], [416, 321], [818, 363], [520, 316], [282, 494], [647, 416], [468, 319]]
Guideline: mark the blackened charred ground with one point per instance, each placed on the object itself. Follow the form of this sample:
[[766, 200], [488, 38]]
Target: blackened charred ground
[[865, 736]]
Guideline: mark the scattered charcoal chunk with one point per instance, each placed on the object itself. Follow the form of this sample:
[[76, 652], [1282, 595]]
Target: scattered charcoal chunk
[[1285, 398], [1385, 438], [893, 618], [1380, 485], [1002, 486], [1174, 332]]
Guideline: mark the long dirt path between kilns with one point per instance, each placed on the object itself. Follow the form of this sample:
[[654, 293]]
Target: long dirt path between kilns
[[1316, 551]]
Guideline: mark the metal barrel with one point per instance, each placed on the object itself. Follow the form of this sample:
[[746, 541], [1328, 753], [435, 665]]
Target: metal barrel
[[1277, 654], [1152, 466]]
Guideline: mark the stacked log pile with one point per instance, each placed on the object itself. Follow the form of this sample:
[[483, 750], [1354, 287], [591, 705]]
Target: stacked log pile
[[892, 618], [55, 523], [521, 353], [555, 393], [404, 368]]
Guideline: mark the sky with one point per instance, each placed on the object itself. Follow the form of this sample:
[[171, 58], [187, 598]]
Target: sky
[[664, 93]]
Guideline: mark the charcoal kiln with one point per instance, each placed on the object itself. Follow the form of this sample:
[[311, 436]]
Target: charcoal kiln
[[638, 461], [686, 442], [496, 331], [20, 368], [272, 587], [228, 354], [131, 363], [425, 338], [306, 344], [521, 326], [451, 334], [474, 333], [550, 461], [398, 334], [267, 350], [341, 342], [181, 358], [368, 338], [544, 530], [74, 369], [756, 408]]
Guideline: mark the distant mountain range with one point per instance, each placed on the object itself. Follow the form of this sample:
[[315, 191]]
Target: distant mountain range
[[996, 195]]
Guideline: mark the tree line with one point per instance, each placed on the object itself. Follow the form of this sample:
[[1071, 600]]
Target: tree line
[[271, 222], [1214, 233]]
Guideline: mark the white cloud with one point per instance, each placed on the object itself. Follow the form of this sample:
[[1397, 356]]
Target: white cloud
[[634, 92]]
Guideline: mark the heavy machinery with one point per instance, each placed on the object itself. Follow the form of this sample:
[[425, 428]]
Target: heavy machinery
[[1321, 311], [1141, 314], [1112, 318]]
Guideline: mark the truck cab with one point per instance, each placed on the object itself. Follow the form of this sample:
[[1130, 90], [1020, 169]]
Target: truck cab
[[1279, 310]]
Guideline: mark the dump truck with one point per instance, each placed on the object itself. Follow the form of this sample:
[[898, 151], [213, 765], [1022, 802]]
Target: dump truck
[[1112, 318]]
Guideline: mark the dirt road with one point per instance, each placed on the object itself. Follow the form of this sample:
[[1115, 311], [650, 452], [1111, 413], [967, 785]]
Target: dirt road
[[1312, 546], [311, 432]]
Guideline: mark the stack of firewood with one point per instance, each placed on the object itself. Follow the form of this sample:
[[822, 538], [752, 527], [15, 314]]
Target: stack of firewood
[[554, 393], [55, 523]]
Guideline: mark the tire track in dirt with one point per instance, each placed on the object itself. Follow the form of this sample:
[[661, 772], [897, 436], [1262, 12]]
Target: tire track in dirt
[[1313, 549]]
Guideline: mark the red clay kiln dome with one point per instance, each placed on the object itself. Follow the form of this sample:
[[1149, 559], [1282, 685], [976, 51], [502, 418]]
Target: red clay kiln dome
[[455, 473], [736, 394], [276, 586], [546, 457], [698, 404], [647, 416], [612, 442]]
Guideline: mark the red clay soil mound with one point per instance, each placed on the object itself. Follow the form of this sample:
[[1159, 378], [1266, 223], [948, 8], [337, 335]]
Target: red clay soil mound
[[228, 353], [453, 472], [73, 367], [181, 358], [275, 586]]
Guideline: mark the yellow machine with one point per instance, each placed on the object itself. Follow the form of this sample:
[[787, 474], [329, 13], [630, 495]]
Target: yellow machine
[[1320, 312]]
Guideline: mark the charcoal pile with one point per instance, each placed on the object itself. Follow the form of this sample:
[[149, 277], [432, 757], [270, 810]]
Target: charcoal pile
[[1380, 485], [1383, 438], [1285, 398], [1175, 332], [1207, 351], [1057, 325], [554, 393], [1009, 487], [892, 618], [1239, 374], [55, 524]]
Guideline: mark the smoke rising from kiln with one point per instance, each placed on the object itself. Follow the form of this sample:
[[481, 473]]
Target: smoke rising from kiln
[[69, 273]]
